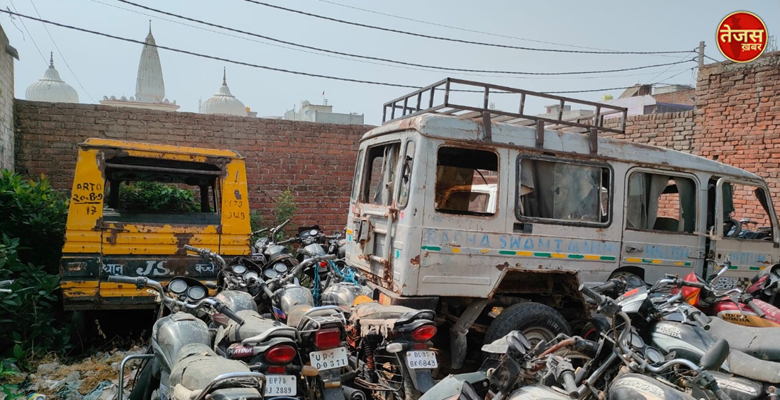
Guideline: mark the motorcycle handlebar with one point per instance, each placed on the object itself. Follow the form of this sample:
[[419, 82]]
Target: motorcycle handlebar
[[138, 281], [605, 287], [756, 309], [592, 294], [222, 308], [701, 320]]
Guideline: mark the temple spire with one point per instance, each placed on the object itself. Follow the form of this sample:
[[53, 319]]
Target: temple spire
[[51, 59], [224, 76]]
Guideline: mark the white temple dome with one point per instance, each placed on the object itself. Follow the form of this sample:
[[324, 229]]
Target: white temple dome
[[51, 88], [223, 102]]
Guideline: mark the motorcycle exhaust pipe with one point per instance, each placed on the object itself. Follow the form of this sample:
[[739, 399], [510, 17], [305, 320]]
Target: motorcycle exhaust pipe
[[353, 394]]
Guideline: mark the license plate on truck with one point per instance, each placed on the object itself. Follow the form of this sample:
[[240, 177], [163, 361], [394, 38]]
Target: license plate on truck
[[280, 385], [421, 359], [329, 359]]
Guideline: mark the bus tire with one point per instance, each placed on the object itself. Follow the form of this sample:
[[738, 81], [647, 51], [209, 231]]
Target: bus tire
[[537, 321]]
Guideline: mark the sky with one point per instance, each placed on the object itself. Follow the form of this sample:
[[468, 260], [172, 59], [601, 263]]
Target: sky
[[98, 66]]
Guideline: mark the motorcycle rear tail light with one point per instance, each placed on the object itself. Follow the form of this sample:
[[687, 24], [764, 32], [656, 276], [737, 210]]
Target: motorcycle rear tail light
[[276, 369], [281, 354], [424, 333], [327, 338]]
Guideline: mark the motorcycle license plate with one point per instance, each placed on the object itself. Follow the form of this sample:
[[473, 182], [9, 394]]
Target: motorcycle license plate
[[329, 359], [280, 385], [421, 359]]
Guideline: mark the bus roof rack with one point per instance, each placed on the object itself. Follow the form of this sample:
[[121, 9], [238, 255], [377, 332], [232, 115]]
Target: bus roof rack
[[438, 99]]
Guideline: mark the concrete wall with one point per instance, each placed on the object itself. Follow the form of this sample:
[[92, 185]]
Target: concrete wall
[[315, 161], [6, 102]]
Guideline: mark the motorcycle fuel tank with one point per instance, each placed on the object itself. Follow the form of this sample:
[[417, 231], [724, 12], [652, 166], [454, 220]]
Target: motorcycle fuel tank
[[237, 301], [171, 333], [538, 392], [636, 386], [687, 341]]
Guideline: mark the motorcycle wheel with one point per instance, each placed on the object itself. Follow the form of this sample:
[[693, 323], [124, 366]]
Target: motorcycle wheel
[[536, 321]]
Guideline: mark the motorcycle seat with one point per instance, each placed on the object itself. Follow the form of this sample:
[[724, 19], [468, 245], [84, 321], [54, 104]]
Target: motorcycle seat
[[750, 367], [257, 327], [761, 343], [196, 365], [402, 315]]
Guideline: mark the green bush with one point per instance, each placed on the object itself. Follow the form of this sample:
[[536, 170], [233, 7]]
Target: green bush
[[285, 208], [154, 196], [36, 214], [29, 324]]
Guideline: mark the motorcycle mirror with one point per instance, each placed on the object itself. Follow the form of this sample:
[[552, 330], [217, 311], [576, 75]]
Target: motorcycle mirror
[[716, 355], [518, 342]]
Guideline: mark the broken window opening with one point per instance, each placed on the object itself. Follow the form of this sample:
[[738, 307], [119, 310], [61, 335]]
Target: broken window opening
[[661, 203], [140, 190], [381, 162], [466, 181], [745, 212], [563, 191]]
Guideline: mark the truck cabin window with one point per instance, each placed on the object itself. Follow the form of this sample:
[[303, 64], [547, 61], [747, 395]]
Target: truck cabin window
[[745, 212], [563, 191], [379, 177], [466, 181], [660, 202], [161, 191]]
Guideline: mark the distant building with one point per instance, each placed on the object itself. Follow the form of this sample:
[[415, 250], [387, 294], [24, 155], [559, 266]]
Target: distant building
[[639, 100], [322, 114], [51, 88], [646, 99], [224, 103], [149, 85]]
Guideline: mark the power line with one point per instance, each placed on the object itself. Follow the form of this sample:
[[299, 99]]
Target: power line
[[711, 58], [505, 46], [440, 68], [459, 28], [665, 71], [60, 53], [192, 53], [28, 33]]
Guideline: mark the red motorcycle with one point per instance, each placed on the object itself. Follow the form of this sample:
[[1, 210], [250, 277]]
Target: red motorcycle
[[732, 305], [766, 285]]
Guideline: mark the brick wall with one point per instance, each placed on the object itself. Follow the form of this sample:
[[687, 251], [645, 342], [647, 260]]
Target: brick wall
[[737, 121], [671, 130], [686, 97], [316, 161], [6, 104]]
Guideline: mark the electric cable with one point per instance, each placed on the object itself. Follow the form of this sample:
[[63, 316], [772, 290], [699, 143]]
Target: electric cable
[[62, 55], [170, 14], [248, 64], [505, 46]]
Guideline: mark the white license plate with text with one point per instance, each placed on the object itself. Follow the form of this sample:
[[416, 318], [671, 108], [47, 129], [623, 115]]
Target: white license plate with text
[[421, 359], [280, 385], [329, 359]]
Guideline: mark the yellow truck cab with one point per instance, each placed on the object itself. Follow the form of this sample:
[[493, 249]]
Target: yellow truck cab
[[107, 234]]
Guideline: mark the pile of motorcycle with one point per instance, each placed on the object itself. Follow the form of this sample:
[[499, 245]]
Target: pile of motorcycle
[[676, 339], [282, 326]]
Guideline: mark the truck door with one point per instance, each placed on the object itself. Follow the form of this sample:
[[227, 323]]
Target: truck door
[[659, 235], [376, 209], [745, 230]]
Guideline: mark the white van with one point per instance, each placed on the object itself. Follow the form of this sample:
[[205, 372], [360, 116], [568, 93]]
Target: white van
[[493, 218]]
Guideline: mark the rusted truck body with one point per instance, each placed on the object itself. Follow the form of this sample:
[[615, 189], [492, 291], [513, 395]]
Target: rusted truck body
[[105, 236], [571, 206]]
